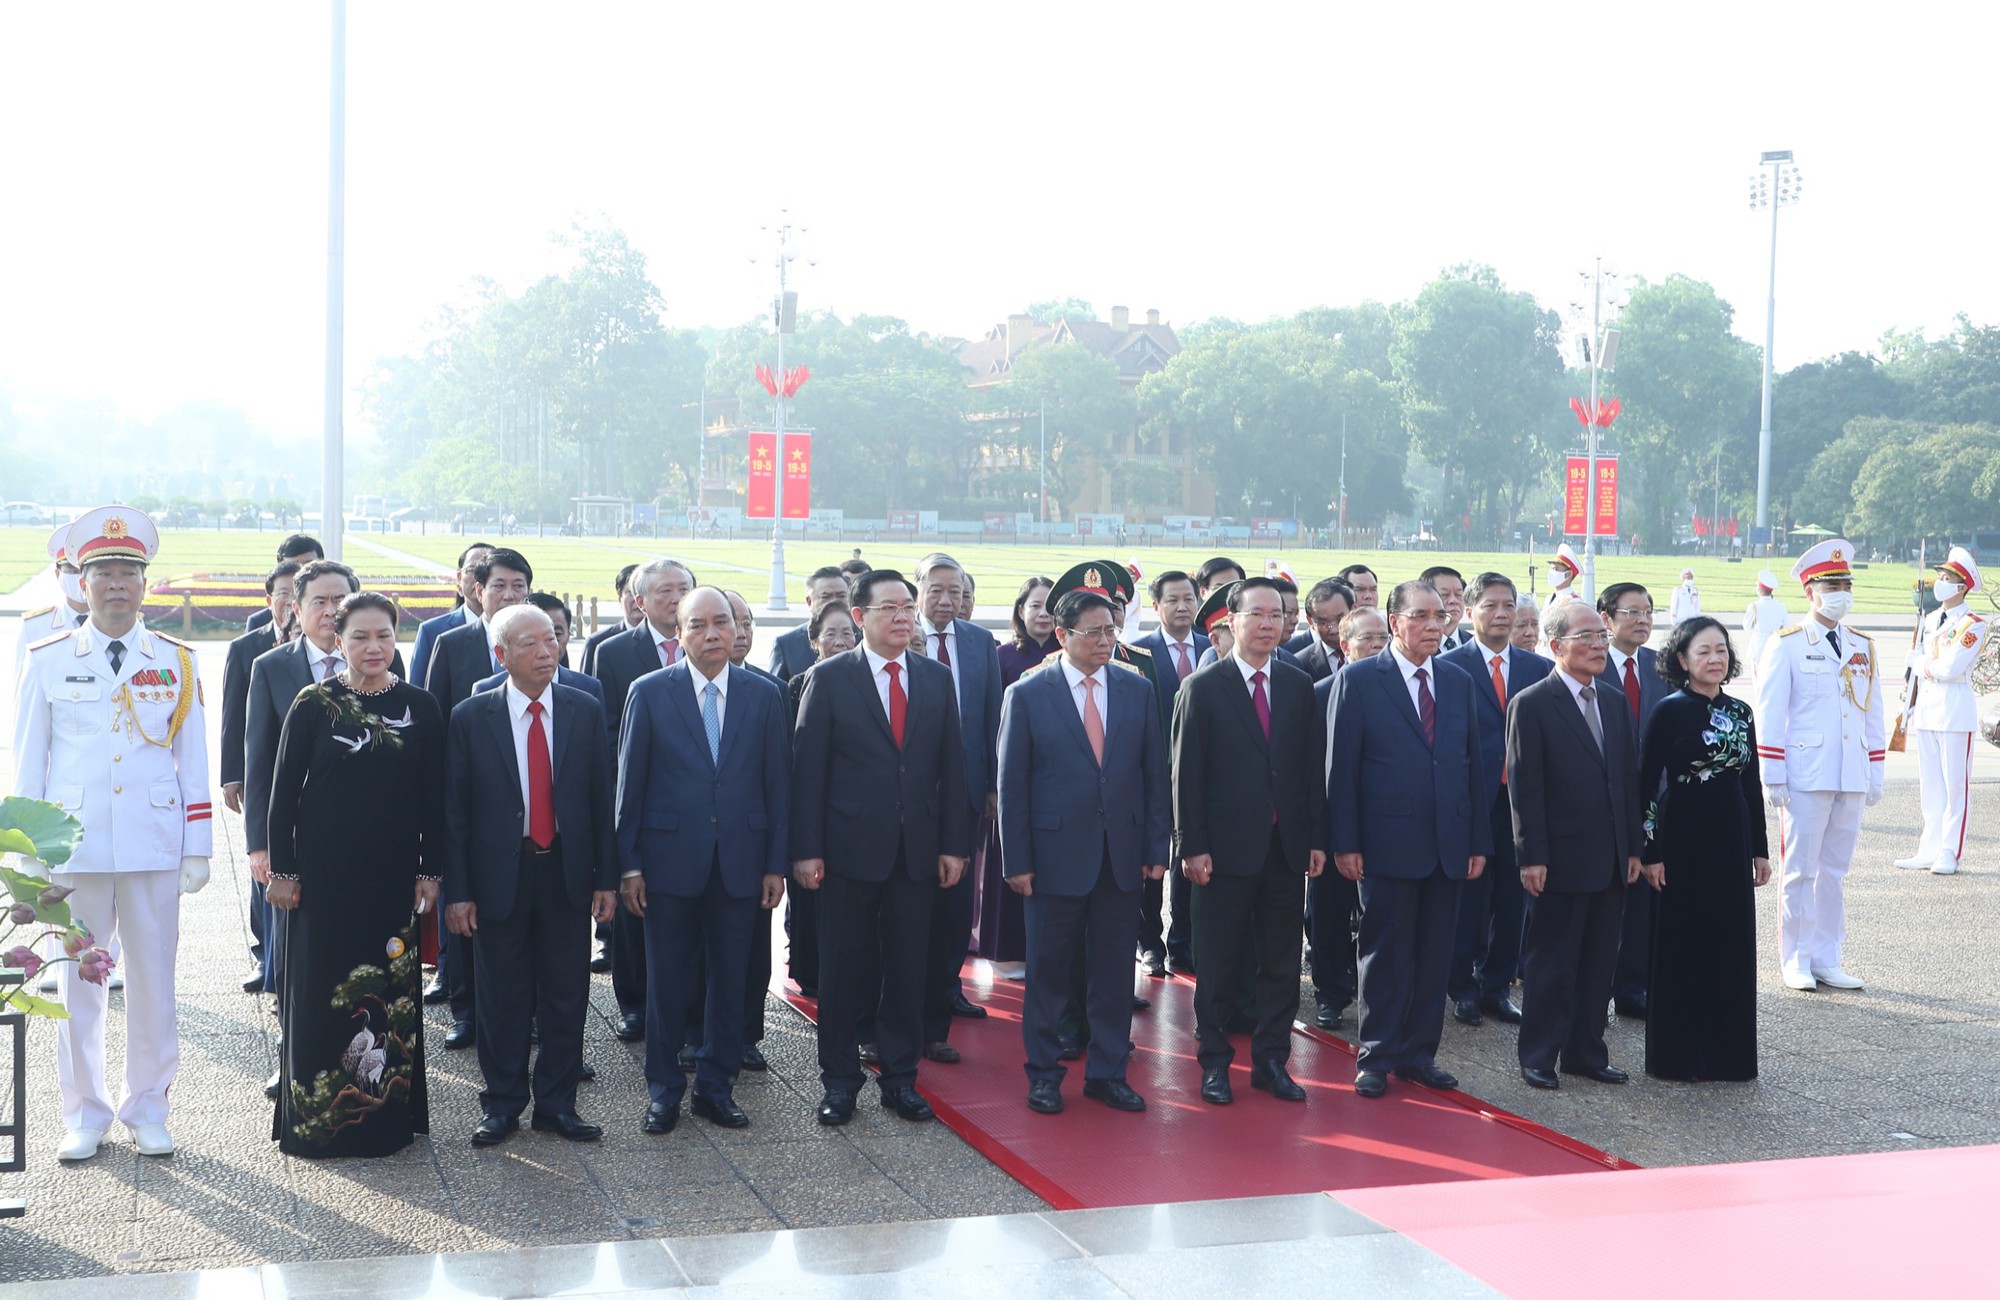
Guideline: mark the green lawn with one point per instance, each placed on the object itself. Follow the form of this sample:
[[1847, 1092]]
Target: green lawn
[[586, 566]]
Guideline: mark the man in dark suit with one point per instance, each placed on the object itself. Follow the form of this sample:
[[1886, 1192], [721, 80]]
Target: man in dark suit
[[1318, 647], [1247, 827], [1409, 842], [1216, 571], [1085, 817], [1367, 591], [243, 652], [1627, 610], [879, 822], [528, 857], [1450, 584], [704, 772], [793, 651], [970, 653], [655, 643], [629, 618], [297, 549], [1176, 650], [1573, 779], [1486, 950], [1333, 902], [466, 612], [460, 659]]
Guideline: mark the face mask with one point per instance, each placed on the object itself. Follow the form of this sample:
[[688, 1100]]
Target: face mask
[[1946, 590], [1836, 604], [1557, 577], [72, 587]]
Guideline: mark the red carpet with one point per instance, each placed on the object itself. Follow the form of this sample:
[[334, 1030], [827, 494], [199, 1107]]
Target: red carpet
[[1897, 1223], [1183, 1149]]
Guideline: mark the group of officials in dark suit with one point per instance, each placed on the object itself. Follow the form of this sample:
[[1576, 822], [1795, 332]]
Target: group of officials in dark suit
[[671, 789]]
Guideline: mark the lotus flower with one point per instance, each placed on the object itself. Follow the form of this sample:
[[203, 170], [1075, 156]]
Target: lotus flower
[[23, 957], [22, 914], [76, 941], [94, 966]]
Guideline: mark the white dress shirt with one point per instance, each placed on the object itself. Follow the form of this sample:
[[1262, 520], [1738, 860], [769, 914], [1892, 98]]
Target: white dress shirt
[[1409, 670], [517, 715], [1583, 706], [1193, 655], [315, 656], [947, 636], [1078, 694], [875, 663], [1616, 661]]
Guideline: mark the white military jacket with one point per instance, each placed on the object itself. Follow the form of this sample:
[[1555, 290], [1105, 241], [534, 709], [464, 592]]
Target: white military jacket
[[125, 752], [1950, 643], [1820, 716]]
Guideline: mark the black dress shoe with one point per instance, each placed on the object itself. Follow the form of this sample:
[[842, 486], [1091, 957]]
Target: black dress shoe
[[1502, 1010], [254, 981], [565, 1124], [1141, 1004], [1429, 1076], [1633, 1007], [1272, 1078], [1330, 1017], [1179, 963], [1371, 1083], [272, 1084], [462, 1035], [870, 1054], [1602, 1074], [685, 1059], [435, 992], [1069, 1047], [906, 1102], [600, 963], [969, 1010], [1115, 1093], [753, 1059], [660, 1118], [942, 1053], [1544, 1079], [631, 1027], [1045, 1097], [1215, 1089], [587, 1073], [835, 1108], [493, 1130], [1154, 964], [1466, 1012], [723, 1112]]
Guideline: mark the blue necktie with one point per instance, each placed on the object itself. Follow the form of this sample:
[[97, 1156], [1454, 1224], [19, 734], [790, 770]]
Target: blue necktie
[[711, 722]]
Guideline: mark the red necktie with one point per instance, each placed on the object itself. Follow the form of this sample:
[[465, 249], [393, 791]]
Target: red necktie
[[1261, 701], [670, 651], [1426, 707], [899, 703], [1632, 690], [541, 782], [1183, 668], [1499, 684]]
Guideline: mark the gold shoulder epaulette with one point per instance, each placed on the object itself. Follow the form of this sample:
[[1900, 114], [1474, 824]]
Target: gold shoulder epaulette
[[1135, 650], [37, 613], [1855, 631], [1130, 668], [170, 640], [52, 639], [1788, 631], [1030, 672]]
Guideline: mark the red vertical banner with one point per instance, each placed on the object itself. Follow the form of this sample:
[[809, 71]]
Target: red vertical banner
[[1576, 495], [1576, 489], [760, 496], [798, 475], [1607, 496]]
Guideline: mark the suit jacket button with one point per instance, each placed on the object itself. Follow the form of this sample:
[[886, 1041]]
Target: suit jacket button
[[118, 789]]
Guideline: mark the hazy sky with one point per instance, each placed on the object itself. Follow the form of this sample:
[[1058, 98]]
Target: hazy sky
[[163, 217]]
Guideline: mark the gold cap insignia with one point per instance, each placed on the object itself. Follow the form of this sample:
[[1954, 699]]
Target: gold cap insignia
[[114, 527], [1091, 578], [1837, 554]]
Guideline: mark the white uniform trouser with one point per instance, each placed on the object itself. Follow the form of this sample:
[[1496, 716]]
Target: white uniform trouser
[[1944, 768], [143, 909], [1816, 835]]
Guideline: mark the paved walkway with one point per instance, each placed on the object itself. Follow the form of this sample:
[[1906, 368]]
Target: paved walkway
[[1907, 1063]]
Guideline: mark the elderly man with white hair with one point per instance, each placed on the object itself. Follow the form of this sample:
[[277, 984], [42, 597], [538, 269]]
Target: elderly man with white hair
[[528, 858]]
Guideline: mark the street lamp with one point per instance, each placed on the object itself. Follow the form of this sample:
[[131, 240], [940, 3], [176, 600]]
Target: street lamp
[[1603, 355], [784, 318], [1777, 190]]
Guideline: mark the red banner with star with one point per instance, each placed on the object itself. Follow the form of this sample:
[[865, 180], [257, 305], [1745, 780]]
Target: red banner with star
[[760, 497], [1576, 489], [798, 475]]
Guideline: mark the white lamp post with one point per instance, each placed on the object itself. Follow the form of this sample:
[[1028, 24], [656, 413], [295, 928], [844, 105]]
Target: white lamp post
[[1777, 189]]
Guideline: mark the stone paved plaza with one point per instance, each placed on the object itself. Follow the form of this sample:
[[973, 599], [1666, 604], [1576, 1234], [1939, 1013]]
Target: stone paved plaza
[[1906, 1063]]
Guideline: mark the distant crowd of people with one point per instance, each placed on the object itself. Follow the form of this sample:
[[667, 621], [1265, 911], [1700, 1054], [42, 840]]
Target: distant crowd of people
[[1438, 791]]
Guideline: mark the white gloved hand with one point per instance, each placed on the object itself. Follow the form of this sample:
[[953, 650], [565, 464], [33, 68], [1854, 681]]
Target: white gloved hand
[[194, 874], [1778, 796], [1873, 797]]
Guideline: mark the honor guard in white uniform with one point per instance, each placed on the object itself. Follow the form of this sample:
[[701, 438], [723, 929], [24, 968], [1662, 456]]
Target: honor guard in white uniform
[[1942, 712], [1563, 573], [1819, 709], [1685, 603], [1764, 616], [110, 727], [51, 619]]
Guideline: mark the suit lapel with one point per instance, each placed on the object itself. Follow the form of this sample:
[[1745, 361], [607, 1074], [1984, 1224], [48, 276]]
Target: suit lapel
[[1391, 674], [871, 701], [500, 724], [732, 716], [1238, 690], [1115, 722], [565, 735], [1064, 700], [1567, 704]]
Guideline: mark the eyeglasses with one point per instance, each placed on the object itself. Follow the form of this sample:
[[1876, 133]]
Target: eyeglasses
[[900, 610], [1633, 611], [1588, 638], [1103, 633]]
